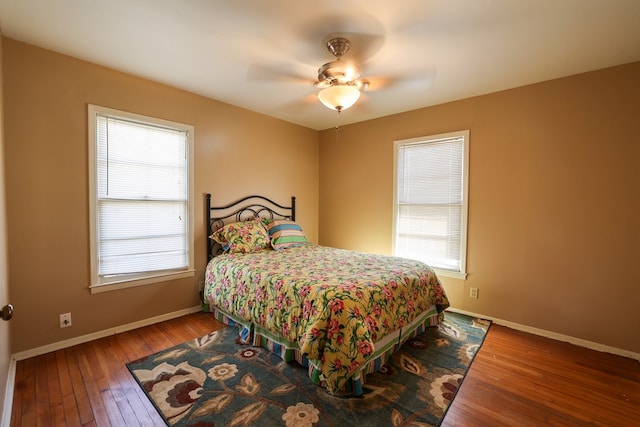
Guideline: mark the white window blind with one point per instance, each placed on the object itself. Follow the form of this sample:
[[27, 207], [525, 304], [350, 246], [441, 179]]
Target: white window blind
[[431, 205], [141, 205]]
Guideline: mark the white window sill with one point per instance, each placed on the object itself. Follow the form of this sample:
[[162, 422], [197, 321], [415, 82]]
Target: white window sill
[[448, 273], [116, 285]]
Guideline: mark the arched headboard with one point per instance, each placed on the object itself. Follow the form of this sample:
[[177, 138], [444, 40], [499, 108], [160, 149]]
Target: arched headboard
[[242, 210]]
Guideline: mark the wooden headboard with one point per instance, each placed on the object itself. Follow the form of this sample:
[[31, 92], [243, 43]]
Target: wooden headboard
[[242, 210]]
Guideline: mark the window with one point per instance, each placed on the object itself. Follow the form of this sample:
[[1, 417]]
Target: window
[[141, 199], [430, 201]]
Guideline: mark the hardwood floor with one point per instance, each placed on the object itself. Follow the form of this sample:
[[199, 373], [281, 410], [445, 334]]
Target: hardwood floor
[[89, 384], [517, 379]]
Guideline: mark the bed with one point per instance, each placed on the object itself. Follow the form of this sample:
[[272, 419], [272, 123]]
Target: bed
[[340, 313]]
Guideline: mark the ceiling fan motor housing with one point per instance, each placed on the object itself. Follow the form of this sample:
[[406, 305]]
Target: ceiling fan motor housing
[[338, 71]]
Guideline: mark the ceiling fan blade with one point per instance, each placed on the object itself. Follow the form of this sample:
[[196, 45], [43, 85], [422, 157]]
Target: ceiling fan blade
[[376, 83], [363, 46], [365, 33], [295, 106], [416, 81], [270, 73]]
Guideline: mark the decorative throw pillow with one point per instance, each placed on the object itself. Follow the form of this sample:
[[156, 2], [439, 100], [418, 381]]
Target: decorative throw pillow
[[285, 234], [243, 237]]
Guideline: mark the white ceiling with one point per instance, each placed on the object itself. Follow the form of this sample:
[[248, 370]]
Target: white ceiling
[[263, 55]]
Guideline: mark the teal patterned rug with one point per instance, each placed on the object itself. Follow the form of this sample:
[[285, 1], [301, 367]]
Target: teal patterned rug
[[213, 380]]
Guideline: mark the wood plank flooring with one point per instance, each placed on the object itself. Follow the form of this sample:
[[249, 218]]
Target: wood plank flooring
[[89, 384], [517, 379]]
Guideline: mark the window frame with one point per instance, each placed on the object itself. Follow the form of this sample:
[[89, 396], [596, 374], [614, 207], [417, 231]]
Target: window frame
[[101, 284], [462, 273]]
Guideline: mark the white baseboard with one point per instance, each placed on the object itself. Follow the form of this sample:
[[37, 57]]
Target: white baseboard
[[553, 335], [101, 334], [8, 395]]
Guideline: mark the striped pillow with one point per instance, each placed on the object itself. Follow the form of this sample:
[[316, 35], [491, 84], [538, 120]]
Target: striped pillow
[[285, 234]]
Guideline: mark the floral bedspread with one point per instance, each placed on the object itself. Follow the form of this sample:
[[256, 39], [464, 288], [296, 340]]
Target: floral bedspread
[[335, 304]]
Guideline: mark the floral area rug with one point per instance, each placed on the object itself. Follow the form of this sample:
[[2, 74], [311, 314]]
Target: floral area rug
[[217, 381]]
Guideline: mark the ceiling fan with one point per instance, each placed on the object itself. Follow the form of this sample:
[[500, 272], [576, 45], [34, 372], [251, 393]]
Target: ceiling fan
[[339, 80], [339, 83]]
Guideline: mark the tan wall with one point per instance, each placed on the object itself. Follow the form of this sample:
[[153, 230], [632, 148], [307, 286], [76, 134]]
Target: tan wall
[[554, 203], [237, 152], [554, 214]]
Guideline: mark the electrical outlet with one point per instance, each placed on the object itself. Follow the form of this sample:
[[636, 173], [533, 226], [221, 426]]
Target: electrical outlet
[[473, 293], [65, 320]]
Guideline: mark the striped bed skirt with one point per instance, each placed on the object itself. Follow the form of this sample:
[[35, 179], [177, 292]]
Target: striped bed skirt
[[252, 334]]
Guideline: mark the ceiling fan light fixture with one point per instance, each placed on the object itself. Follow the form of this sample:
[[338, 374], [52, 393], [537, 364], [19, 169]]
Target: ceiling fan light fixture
[[339, 97]]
